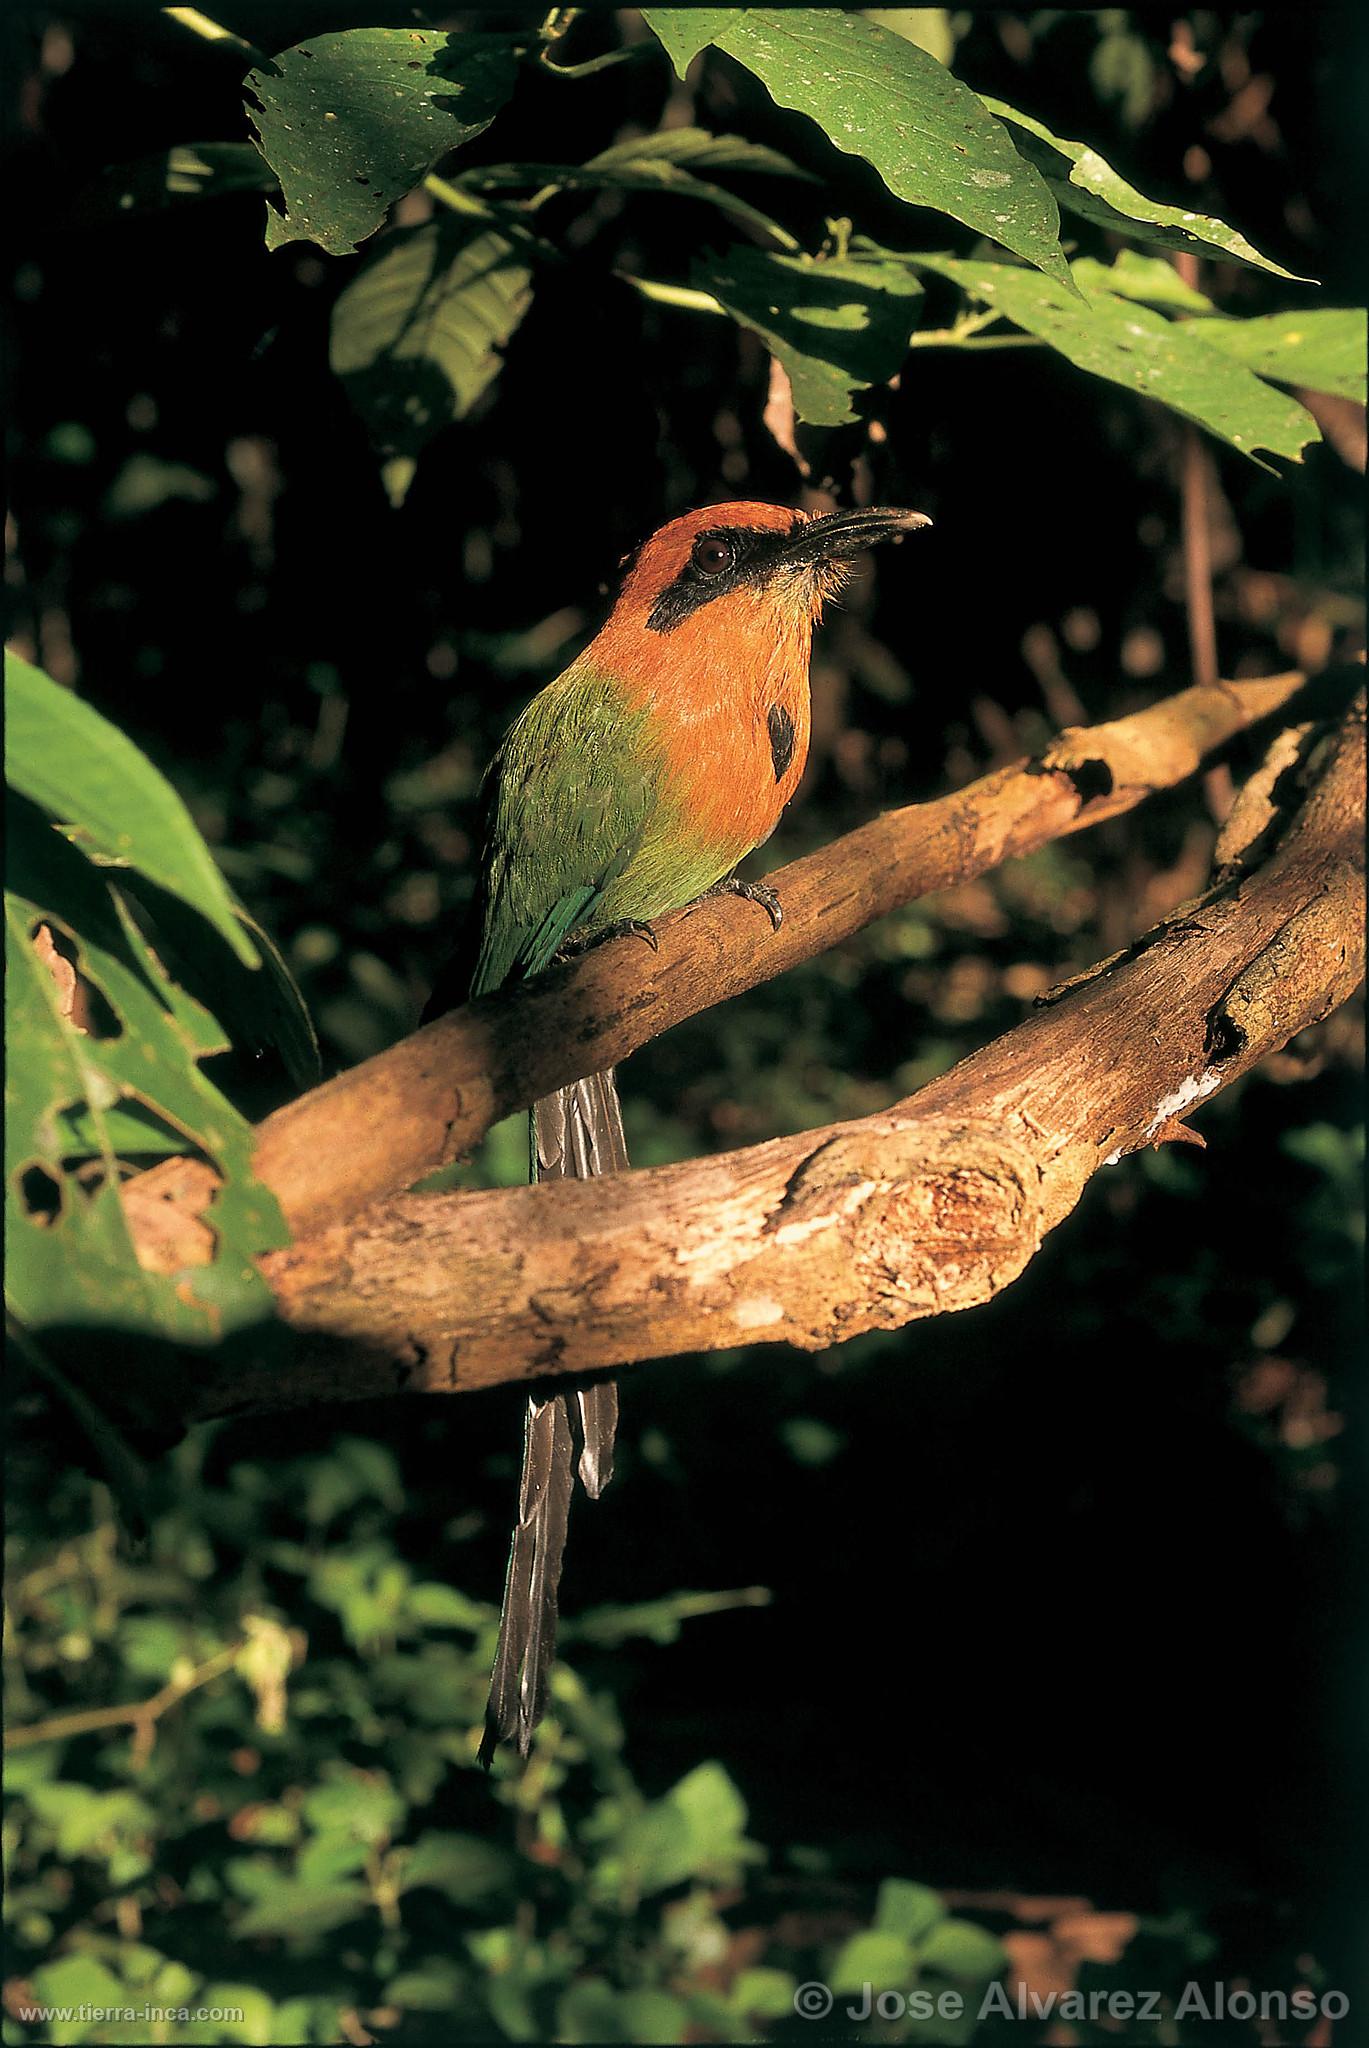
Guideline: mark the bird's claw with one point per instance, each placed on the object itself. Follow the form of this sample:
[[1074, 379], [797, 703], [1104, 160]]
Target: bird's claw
[[633, 928], [755, 892]]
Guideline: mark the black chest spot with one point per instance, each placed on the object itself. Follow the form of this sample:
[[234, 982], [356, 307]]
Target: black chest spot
[[781, 727]]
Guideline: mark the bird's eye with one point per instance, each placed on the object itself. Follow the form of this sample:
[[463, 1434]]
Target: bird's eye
[[713, 556]]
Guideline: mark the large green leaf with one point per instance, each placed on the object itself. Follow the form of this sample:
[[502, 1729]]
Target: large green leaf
[[74, 1093], [92, 778], [416, 335], [1086, 184], [78, 1264], [350, 122], [1132, 346], [1322, 350], [836, 326], [882, 98]]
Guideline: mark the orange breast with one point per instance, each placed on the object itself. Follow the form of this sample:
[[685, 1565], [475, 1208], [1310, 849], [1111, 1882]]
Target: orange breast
[[734, 713]]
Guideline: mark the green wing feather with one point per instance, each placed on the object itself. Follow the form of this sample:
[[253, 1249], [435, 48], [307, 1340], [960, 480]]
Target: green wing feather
[[574, 789]]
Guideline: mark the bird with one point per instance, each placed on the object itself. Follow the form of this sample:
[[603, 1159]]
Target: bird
[[632, 784]]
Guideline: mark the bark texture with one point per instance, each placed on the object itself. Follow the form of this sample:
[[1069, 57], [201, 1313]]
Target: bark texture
[[934, 1205], [384, 1124]]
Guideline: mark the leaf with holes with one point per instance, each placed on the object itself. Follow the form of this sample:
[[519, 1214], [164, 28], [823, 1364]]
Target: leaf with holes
[[1086, 184], [79, 1098], [836, 326], [350, 122], [416, 335], [1132, 346], [1322, 350], [91, 778], [880, 97]]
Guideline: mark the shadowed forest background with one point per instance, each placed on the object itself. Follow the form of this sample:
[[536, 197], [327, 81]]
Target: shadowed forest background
[[1055, 1593]]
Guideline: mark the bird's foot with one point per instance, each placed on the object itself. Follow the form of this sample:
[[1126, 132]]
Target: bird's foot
[[621, 928], [754, 892], [631, 928]]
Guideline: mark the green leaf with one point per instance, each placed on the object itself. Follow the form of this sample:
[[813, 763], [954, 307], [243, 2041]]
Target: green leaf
[[650, 2017], [588, 2011], [259, 2024], [78, 1265], [90, 1823], [762, 1994], [882, 98], [351, 121], [1148, 279], [361, 1804], [882, 1960], [623, 169], [836, 325], [929, 27], [694, 149], [1087, 185], [1322, 350], [1138, 349], [416, 335], [467, 1870], [70, 1983], [296, 1909], [907, 1910], [695, 1831], [684, 32], [439, 1606], [962, 1950], [90, 777]]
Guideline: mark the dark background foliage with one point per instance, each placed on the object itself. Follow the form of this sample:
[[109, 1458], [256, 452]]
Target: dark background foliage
[[1059, 1592]]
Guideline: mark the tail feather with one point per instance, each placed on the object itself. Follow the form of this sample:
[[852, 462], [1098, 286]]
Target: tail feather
[[598, 1401], [577, 1133]]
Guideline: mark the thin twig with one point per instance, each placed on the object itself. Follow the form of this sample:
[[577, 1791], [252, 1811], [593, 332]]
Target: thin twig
[[141, 1715], [1196, 527]]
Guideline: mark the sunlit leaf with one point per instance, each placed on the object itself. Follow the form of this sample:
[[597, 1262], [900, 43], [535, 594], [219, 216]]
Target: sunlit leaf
[[961, 1949], [1148, 279], [71, 1256], [1321, 350], [90, 777], [350, 122], [880, 97], [1086, 184], [907, 1910], [1132, 346]]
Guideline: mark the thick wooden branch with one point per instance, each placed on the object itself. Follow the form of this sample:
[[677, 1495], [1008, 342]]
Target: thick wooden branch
[[385, 1123], [935, 1205]]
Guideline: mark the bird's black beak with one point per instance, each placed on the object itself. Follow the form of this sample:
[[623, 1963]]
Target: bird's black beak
[[841, 536]]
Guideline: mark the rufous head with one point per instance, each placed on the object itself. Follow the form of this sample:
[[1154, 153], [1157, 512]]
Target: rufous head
[[747, 561]]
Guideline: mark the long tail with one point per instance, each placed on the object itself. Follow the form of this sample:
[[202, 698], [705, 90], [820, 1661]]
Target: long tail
[[576, 1133]]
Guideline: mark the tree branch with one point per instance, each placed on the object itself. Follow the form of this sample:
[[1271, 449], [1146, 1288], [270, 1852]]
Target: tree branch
[[935, 1205], [385, 1123]]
